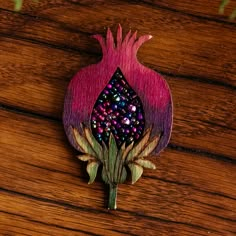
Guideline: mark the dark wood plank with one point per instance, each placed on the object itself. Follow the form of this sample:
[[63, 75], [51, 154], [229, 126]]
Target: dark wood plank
[[41, 176], [35, 77], [26, 225], [92, 223], [183, 44], [198, 8]]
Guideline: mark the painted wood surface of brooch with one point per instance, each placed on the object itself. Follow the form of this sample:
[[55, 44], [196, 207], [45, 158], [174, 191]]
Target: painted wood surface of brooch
[[118, 112]]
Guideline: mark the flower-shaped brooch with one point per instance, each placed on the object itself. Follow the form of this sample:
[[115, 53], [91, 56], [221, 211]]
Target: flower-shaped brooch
[[118, 112]]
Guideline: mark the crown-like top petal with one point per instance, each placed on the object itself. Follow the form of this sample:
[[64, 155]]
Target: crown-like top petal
[[121, 48]]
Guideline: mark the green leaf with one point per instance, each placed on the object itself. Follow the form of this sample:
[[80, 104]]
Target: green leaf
[[127, 150], [119, 164], [18, 5], [233, 15], [105, 154], [105, 175], [150, 147], [105, 171], [86, 158], [222, 6], [112, 152], [92, 169], [139, 147], [145, 164], [93, 142], [136, 171], [83, 144], [122, 148], [123, 175]]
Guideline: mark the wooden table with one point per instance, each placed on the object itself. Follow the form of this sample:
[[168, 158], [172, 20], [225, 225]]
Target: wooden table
[[43, 187]]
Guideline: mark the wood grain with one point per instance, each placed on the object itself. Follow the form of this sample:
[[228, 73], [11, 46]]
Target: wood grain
[[44, 187], [199, 9], [53, 183], [204, 103], [176, 36]]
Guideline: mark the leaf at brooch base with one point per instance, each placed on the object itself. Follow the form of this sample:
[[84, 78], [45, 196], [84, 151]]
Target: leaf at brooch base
[[105, 159], [92, 169], [123, 175], [139, 147], [83, 144], [93, 142], [119, 163], [150, 147], [86, 157], [112, 156], [136, 171], [105, 176], [145, 163], [127, 150]]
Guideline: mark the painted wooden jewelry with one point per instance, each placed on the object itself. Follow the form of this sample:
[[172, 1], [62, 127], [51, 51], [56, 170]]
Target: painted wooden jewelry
[[118, 112]]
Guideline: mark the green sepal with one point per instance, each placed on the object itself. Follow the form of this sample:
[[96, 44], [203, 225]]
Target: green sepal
[[82, 143], [139, 147], [150, 147], [105, 158], [119, 164], [233, 15], [92, 169], [123, 175], [93, 142], [145, 164], [112, 155], [86, 158], [105, 175], [18, 5], [222, 6], [127, 150], [136, 171]]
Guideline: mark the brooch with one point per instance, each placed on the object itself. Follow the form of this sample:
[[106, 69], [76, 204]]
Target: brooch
[[118, 113]]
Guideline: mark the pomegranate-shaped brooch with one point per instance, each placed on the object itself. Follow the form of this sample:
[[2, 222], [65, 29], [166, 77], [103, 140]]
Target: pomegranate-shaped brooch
[[118, 112]]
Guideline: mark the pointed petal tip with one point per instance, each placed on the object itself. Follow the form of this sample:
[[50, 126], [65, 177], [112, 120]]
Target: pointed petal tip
[[96, 36], [135, 34], [150, 36], [109, 30]]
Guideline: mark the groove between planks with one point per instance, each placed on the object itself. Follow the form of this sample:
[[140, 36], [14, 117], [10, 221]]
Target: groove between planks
[[205, 18], [70, 206], [68, 48], [216, 43], [151, 5], [43, 223], [154, 177], [170, 145]]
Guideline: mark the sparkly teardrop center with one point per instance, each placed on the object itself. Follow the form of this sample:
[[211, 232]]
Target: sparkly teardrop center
[[119, 110]]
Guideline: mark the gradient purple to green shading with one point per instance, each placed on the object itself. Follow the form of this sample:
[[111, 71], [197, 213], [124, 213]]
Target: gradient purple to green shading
[[86, 86]]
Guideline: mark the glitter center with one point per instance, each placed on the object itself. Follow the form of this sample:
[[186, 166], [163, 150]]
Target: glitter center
[[119, 110]]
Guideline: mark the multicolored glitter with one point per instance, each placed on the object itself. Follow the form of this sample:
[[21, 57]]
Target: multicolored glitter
[[119, 110]]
